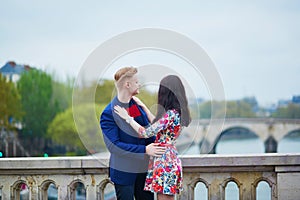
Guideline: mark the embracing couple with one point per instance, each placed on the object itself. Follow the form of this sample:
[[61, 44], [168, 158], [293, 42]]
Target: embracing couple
[[143, 156]]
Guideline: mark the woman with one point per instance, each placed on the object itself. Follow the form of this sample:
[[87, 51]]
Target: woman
[[164, 173]]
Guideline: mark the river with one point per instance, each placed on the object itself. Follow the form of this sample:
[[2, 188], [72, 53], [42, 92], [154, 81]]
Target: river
[[244, 146], [251, 145]]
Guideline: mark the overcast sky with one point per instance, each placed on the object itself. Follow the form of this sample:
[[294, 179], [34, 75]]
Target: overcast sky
[[255, 46]]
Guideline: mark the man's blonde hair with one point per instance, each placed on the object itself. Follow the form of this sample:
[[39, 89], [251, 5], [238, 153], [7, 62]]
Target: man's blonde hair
[[124, 73]]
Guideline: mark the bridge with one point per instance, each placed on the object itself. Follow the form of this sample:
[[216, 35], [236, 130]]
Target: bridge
[[213, 173], [207, 133]]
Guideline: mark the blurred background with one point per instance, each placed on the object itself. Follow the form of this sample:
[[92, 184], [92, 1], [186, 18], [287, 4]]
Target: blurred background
[[254, 46]]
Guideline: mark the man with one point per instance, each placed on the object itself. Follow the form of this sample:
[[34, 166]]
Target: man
[[129, 153]]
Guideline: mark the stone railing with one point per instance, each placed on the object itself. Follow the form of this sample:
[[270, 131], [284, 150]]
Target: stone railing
[[281, 172]]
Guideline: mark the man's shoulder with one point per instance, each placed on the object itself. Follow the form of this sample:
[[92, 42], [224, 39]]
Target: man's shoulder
[[108, 108], [107, 112], [106, 117]]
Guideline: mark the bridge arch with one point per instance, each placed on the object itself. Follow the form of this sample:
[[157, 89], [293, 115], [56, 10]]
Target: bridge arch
[[233, 132], [269, 130], [289, 142]]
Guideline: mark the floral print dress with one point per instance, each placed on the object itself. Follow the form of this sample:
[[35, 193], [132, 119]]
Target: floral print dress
[[165, 173]]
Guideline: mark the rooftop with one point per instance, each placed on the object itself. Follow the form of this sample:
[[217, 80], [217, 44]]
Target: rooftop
[[12, 68]]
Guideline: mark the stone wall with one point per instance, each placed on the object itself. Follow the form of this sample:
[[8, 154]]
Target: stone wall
[[280, 171]]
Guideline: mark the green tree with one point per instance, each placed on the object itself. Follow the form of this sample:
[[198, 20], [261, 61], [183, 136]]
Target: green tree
[[233, 109], [105, 91], [39, 109], [252, 102], [205, 109], [80, 137], [239, 109], [149, 99], [62, 94], [10, 101], [292, 111]]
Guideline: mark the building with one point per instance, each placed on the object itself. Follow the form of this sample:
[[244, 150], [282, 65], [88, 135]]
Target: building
[[13, 71], [296, 99]]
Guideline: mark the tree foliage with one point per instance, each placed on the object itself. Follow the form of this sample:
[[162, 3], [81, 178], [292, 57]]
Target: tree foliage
[[74, 127], [205, 109], [10, 102], [62, 94], [149, 99], [105, 91], [234, 109], [292, 111], [36, 96], [78, 135]]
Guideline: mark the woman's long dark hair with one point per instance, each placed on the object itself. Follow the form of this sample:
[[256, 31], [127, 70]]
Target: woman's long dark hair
[[171, 95]]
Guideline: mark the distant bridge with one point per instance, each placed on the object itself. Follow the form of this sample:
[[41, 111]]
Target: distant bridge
[[208, 132]]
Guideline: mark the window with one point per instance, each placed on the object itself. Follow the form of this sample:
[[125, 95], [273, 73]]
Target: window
[[263, 191], [200, 191], [80, 192], [52, 192], [109, 192], [231, 191]]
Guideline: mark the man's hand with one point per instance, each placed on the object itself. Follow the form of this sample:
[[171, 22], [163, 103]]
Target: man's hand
[[154, 149]]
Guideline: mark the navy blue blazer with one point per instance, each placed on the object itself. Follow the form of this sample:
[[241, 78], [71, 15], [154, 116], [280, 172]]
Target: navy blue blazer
[[127, 150]]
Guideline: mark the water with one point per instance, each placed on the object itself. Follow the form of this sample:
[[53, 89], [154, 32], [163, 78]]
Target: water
[[251, 145], [289, 145], [244, 146]]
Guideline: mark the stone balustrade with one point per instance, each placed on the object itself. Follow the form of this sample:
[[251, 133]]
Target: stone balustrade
[[281, 172]]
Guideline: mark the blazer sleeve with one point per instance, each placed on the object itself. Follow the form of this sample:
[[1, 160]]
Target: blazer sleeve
[[110, 133]]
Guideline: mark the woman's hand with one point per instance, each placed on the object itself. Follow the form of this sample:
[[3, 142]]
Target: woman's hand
[[122, 112], [138, 101], [144, 107]]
